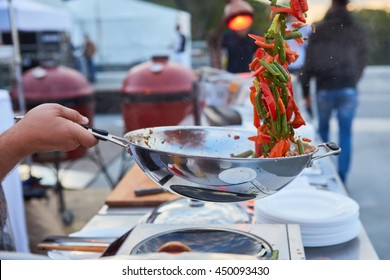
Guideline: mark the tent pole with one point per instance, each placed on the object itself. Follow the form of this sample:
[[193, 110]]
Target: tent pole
[[99, 31], [17, 59], [18, 70]]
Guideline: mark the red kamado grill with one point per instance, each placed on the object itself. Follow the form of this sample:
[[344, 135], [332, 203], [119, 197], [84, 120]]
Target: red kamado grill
[[63, 85], [157, 93]]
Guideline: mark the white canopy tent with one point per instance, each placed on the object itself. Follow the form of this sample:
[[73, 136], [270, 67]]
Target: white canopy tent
[[128, 31], [30, 16], [33, 16]]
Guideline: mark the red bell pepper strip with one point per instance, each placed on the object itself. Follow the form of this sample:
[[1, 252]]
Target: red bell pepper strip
[[256, 118], [252, 95], [259, 139], [297, 24], [254, 64], [300, 41], [256, 37], [280, 149], [290, 105], [304, 5], [264, 45], [258, 71], [260, 53], [298, 119], [268, 97], [263, 138], [286, 10], [298, 13]]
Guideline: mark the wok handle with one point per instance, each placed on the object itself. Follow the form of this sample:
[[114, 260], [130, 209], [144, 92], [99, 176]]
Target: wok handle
[[105, 136], [331, 149]]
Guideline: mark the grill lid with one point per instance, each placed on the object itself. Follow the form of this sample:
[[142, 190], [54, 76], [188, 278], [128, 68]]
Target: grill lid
[[158, 76], [53, 83]]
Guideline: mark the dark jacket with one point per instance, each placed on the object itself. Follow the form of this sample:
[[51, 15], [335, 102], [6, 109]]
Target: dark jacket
[[336, 52], [240, 51]]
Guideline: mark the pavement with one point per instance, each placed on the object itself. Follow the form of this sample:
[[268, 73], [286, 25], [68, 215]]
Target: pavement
[[370, 172], [86, 186]]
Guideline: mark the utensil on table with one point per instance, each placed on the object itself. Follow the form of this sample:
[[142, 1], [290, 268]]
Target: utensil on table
[[71, 243], [148, 191], [107, 246]]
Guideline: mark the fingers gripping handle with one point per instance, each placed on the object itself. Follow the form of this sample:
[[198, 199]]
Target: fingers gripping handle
[[105, 136]]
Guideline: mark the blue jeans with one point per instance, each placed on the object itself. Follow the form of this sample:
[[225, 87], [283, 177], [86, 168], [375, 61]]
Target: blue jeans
[[344, 102], [91, 70]]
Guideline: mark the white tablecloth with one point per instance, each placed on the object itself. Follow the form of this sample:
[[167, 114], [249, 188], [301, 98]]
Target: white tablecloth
[[12, 183]]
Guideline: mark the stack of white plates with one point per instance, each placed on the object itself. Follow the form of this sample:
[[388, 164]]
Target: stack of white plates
[[325, 218]]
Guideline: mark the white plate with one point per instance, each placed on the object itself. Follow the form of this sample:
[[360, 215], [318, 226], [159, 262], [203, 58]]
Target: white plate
[[308, 207], [342, 236], [323, 236], [320, 226], [325, 218]]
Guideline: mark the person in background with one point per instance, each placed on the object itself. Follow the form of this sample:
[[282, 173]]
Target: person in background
[[240, 50], [233, 50], [62, 130], [180, 45], [336, 57], [89, 52]]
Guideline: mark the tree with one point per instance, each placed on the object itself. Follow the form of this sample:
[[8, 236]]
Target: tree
[[376, 24]]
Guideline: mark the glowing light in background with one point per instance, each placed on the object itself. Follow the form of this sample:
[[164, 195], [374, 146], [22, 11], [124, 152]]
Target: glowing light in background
[[240, 22]]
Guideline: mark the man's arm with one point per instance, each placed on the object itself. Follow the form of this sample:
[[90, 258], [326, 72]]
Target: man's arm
[[48, 127]]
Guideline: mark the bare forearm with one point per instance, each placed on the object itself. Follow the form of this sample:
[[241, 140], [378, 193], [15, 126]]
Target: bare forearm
[[48, 127], [10, 153]]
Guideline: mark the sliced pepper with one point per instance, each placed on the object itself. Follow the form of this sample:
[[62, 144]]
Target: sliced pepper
[[298, 119], [269, 98], [298, 13], [304, 5], [276, 113], [280, 149], [286, 10]]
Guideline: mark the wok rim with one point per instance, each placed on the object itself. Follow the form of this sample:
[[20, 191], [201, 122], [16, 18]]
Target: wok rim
[[242, 130]]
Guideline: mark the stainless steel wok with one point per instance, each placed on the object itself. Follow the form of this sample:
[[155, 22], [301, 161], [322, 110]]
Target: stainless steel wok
[[196, 162]]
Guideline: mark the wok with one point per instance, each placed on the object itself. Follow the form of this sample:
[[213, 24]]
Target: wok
[[196, 161]]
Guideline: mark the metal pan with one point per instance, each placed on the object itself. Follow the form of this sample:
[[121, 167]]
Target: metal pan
[[196, 162]]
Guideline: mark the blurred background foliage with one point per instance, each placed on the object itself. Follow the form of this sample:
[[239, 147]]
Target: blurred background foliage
[[377, 23], [207, 14]]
